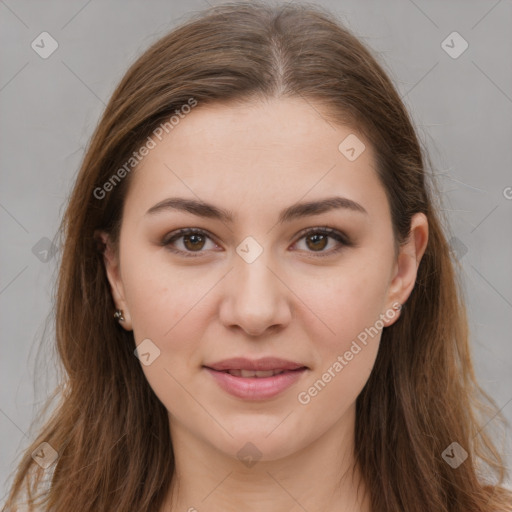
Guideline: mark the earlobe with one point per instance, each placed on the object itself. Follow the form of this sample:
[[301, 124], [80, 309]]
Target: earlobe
[[111, 263], [408, 261]]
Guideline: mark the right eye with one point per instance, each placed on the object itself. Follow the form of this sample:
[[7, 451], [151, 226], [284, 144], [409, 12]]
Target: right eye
[[193, 241]]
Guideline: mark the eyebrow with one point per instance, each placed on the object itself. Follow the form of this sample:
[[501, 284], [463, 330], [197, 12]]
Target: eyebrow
[[299, 210]]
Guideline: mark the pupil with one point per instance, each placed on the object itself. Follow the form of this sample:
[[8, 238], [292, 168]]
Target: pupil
[[187, 238], [316, 238]]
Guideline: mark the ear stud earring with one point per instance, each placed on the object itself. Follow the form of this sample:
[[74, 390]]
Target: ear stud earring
[[118, 315]]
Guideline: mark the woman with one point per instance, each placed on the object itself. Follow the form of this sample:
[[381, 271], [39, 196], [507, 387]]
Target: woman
[[257, 308]]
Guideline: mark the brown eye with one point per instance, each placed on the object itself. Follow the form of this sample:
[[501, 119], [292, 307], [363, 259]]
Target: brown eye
[[193, 241], [317, 239]]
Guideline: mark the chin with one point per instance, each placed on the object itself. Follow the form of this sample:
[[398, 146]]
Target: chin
[[257, 441]]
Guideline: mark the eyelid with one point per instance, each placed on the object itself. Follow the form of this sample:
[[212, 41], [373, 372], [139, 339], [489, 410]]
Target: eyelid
[[176, 235], [327, 230], [333, 233], [343, 240]]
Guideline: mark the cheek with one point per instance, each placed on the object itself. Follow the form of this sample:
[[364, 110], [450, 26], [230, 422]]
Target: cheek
[[346, 301], [333, 389], [345, 356], [347, 340], [162, 310], [165, 307], [347, 351], [159, 295]]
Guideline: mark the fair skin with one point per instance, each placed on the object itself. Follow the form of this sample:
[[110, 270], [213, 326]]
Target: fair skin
[[254, 160]]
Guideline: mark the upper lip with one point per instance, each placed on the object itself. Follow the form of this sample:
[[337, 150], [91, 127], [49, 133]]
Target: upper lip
[[266, 363]]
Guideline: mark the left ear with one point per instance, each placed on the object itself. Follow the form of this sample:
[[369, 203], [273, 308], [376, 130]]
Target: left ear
[[406, 266]]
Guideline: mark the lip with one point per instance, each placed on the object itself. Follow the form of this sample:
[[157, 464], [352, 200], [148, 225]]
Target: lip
[[256, 388], [266, 363]]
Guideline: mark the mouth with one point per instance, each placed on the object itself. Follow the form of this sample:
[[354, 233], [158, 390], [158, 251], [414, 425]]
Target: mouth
[[255, 379], [255, 373], [265, 364]]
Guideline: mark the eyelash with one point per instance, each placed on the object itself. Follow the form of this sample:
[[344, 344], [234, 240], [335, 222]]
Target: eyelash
[[324, 230]]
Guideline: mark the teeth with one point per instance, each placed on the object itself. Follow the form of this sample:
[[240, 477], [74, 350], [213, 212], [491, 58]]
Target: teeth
[[253, 373]]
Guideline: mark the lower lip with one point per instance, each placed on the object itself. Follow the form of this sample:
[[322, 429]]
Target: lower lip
[[256, 388]]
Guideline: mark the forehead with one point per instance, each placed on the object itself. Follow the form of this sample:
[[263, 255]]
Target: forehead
[[255, 154]]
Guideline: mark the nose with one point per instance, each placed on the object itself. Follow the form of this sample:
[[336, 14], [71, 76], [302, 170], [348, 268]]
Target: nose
[[256, 298]]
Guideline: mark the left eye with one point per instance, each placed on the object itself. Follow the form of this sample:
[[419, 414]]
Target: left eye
[[193, 240], [317, 239]]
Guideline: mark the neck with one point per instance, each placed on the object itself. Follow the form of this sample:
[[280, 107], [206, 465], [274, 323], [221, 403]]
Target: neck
[[320, 476]]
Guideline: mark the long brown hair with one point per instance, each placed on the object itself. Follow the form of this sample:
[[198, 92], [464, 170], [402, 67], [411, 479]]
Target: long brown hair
[[110, 430]]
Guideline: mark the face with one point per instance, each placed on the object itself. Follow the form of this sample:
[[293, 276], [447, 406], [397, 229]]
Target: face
[[313, 288]]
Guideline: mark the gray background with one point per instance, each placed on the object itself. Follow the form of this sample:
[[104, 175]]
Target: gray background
[[462, 107]]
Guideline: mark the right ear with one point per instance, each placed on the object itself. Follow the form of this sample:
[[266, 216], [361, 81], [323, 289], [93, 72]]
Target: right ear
[[111, 262]]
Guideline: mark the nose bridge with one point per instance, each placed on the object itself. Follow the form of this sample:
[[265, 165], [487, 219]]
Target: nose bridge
[[253, 257], [257, 297], [254, 280]]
